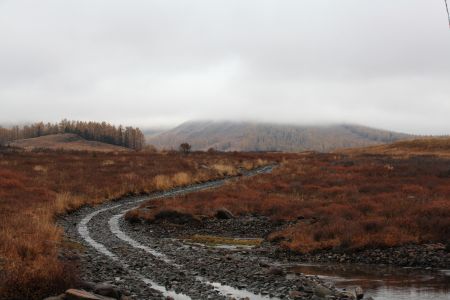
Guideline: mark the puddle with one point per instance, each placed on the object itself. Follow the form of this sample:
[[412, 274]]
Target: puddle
[[84, 233], [224, 290], [115, 229], [219, 246], [233, 247], [228, 291], [385, 282]]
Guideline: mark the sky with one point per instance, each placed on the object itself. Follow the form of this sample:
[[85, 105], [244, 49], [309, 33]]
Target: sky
[[379, 63]]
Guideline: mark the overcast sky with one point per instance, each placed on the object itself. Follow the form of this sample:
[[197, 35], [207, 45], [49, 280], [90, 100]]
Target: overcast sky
[[380, 63]]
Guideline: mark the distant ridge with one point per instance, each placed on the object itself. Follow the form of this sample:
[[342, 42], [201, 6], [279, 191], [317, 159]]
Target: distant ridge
[[249, 136]]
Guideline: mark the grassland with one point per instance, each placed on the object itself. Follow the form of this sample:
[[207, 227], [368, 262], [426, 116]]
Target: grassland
[[437, 146], [348, 200], [66, 141], [344, 201], [37, 186]]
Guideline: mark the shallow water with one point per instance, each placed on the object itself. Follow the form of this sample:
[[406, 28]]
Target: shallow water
[[384, 282]]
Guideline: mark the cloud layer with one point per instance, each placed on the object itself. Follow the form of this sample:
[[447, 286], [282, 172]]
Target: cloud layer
[[377, 63]]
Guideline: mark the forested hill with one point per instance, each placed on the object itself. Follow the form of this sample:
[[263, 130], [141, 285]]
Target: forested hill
[[248, 136], [128, 137]]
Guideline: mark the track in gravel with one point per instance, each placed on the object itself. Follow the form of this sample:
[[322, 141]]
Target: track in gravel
[[153, 262]]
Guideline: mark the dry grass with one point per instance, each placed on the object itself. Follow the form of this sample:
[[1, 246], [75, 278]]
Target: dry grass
[[225, 170], [108, 162], [35, 187], [39, 168], [182, 179], [424, 146], [66, 141], [339, 201], [248, 165], [162, 182], [213, 240]]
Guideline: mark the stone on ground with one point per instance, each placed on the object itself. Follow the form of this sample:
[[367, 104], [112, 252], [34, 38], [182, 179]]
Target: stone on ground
[[224, 214]]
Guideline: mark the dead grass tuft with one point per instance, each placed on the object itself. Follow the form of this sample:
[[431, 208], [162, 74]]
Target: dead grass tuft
[[181, 179], [39, 168], [225, 170], [108, 162], [163, 182]]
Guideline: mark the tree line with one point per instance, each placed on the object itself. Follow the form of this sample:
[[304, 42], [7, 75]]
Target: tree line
[[129, 137]]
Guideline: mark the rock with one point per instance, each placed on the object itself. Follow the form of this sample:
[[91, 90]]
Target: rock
[[297, 295], [107, 290], [176, 217], [263, 264], [322, 291], [276, 271], [359, 292], [87, 285], [224, 214], [59, 297], [73, 294], [347, 295]]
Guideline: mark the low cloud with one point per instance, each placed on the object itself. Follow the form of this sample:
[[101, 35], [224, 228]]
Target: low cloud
[[150, 63]]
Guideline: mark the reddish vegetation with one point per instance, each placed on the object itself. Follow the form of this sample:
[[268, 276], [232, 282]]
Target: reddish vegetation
[[429, 146], [339, 201], [345, 201], [37, 186]]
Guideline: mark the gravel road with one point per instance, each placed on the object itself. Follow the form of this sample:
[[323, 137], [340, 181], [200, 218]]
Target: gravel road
[[148, 263]]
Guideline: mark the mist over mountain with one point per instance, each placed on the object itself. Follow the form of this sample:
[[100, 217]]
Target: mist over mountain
[[252, 136]]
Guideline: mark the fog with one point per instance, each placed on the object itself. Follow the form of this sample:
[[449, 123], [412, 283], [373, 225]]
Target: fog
[[378, 63]]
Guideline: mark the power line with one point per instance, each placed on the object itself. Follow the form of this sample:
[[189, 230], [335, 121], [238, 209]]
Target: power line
[[448, 13]]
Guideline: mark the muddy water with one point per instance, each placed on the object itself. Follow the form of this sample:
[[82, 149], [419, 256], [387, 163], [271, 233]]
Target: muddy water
[[385, 283]]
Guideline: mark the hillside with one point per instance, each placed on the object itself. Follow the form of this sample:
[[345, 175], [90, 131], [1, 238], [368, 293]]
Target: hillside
[[66, 141], [247, 136], [438, 146], [104, 132]]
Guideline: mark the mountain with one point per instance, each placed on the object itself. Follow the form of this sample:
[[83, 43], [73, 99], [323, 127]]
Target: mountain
[[66, 141], [250, 136]]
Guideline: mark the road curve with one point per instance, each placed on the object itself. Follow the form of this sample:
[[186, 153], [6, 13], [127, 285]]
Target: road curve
[[114, 255]]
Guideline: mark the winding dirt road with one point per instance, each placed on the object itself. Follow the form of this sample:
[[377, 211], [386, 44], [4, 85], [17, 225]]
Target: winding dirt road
[[155, 268]]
